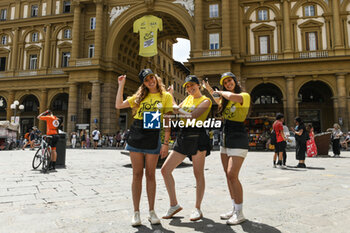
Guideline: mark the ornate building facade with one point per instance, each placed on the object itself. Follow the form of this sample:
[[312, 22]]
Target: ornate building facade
[[291, 56]]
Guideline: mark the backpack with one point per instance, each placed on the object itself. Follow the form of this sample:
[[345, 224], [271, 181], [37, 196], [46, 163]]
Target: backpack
[[273, 138]]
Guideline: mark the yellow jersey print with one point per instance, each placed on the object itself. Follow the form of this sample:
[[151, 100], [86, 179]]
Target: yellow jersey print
[[148, 27]]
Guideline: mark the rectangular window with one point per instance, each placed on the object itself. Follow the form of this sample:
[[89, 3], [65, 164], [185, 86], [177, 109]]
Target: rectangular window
[[35, 37], [264, 44], [3, 15], [67, 34], [92, 23], [213, 11], [214, 41], [4, 40], [65, 59], [33, 62], [311, 41], [309, 10], [66, 6], [91, 51], [35, 10], [2, 63], [262, 15]]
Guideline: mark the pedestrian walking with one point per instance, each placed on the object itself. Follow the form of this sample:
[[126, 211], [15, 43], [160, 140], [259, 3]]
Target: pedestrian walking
[[311, 149], [234, 107], [191, 142], [83, 139], [144, 144], [301, 136], [73, 139], [281, 143], [96, 135], [336, 135]]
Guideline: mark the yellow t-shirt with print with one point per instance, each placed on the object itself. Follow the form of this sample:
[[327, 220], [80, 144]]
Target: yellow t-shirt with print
[[236, 111], [152, 103], [190, 103], [148, 27]]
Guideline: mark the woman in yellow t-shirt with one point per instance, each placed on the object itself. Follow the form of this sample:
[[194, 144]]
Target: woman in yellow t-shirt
[[192, 142], [234, 107], [152, 101]]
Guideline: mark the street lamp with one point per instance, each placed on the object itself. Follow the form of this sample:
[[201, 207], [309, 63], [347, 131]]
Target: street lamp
[[14, 107]]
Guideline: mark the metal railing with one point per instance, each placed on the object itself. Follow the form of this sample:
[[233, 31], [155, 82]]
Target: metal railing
[[212, 53], [313, 54], [267, 57]]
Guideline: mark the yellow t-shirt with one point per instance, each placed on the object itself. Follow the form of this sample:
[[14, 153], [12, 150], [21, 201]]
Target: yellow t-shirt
[[152, 103], [236, 111], [190, 103], [148, 27]]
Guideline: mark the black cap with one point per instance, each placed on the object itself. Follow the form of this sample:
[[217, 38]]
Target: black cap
[[191, 78], [144, 73]]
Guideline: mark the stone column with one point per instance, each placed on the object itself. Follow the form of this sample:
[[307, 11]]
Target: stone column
[[72, 108], [95, 105], [341, 90], [336, 25], [290, 102], [236, 9], [226, 24], [18, 9], [14, 50], [336, 109], [47, 46], [286, 27], [42, 108], [99, 27], [76, 31], [198, 18], [9, 102]]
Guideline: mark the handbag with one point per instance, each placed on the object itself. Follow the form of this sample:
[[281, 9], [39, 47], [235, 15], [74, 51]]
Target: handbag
[[143, 138]]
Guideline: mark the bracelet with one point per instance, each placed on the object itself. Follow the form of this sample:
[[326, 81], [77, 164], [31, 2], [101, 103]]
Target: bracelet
[[166, 144]]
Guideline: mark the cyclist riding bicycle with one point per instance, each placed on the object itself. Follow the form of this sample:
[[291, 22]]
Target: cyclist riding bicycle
[[52, 124]]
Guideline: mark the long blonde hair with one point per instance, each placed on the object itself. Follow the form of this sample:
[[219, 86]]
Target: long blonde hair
[[143, 91]]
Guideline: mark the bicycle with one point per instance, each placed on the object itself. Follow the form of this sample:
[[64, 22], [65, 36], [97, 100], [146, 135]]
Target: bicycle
[[42, 155]]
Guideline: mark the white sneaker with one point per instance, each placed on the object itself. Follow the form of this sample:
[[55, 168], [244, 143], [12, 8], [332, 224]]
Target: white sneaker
[[172, 211], [227, 215], [196, 215], [136, 220], [236, 218], [153, 218]]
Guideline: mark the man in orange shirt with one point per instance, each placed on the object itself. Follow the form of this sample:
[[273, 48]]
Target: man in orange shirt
[[52, 123]]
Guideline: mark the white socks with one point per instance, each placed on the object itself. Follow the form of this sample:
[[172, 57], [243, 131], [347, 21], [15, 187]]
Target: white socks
[[238, 207]]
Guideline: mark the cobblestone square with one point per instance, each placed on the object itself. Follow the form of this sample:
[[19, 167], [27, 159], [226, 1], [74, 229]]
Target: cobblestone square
[[93, 194]]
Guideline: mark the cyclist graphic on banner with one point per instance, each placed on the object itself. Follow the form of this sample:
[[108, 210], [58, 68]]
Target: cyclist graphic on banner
[[148, 27]]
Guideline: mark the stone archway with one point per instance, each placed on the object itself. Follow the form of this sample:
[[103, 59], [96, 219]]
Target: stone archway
[[267, 100], [316, 105], [29, 113]]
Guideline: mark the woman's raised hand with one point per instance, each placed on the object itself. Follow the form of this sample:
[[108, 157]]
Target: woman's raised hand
[[122, 79], [171, 89], [207, 86]]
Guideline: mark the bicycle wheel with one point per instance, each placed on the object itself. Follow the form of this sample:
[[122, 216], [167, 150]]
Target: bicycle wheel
[[37, 159], [46, 161]]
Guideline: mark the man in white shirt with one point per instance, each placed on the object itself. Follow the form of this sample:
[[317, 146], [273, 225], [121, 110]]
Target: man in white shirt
[[96, 136]]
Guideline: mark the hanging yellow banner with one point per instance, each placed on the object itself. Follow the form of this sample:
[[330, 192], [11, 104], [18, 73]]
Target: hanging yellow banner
[[148, 27]]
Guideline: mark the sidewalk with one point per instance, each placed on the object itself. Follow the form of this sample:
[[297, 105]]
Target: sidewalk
[[93, 194]]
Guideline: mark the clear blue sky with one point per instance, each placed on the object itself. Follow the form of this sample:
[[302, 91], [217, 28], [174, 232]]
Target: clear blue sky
[[181, 50]]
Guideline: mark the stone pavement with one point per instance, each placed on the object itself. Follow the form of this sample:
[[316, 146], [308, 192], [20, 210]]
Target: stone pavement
[[92, 194]]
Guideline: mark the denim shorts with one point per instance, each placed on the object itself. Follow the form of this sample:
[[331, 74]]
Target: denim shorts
[[145, 151]]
